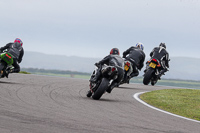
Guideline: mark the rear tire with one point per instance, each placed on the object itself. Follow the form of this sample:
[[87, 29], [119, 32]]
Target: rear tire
[[147, 76], [101, 89]]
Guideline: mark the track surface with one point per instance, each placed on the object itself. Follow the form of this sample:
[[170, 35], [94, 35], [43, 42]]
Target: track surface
[[41, 104]]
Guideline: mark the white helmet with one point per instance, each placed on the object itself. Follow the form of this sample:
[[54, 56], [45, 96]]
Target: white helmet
[[140, 45]]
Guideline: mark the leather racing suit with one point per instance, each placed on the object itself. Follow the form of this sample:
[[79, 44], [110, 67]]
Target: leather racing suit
[[136, 56], [162, 55]]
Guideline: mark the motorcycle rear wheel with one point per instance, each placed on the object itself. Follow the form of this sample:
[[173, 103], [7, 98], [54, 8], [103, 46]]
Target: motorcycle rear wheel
[[147, 76], [101, 89]]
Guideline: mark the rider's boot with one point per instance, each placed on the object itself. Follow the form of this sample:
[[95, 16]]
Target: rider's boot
[[110, 88], [153, 82], [128, 79], [162, 72], [7, 72]]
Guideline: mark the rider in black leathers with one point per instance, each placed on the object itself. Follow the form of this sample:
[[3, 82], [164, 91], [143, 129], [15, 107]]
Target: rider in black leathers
[[111, 60], [162, 55], [17, 52], [136, 56]]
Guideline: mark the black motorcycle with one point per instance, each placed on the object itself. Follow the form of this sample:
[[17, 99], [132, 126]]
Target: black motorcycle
[[108, 74], [152, 72]]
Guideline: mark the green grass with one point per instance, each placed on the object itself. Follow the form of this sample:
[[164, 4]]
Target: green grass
[[24, 72], [172, 82], [184, 102]]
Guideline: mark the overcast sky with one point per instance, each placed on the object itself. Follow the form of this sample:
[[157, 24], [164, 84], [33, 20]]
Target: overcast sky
[[90, 28]]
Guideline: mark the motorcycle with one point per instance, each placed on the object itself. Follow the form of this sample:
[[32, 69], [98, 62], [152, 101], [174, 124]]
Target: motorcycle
[[127, 71], [6, 61], [108, 74], [152, 72]]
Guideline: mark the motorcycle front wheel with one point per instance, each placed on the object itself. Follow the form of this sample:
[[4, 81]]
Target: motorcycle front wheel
[[1, 69], [101, 89], [89, 93]]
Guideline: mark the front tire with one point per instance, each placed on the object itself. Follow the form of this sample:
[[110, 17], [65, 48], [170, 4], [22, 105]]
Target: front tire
[[89, 93], [147, 76], [2, 70], [101, 89]]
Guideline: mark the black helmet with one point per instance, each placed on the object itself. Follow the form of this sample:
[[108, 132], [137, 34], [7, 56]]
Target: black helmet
[[114, 51], [162, 45]]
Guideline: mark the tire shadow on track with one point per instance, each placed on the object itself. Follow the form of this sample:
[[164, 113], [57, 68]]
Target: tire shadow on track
[[106, 97], [8, 82], [105, 100], [128, 88]]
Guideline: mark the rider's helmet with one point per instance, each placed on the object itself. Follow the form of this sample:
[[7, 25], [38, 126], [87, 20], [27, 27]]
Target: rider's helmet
[[114, 51], [140, 45], [162, 45], [19, 41]]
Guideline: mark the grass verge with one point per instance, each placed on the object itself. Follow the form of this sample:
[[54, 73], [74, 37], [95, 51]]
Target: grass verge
[[183, 102], [172, 82], [24, 72]]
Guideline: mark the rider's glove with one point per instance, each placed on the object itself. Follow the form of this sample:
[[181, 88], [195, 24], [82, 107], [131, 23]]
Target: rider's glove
[[97, 64]]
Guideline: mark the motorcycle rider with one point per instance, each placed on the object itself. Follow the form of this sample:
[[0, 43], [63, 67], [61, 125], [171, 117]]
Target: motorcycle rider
[[162, 55], [16, 50], [113, 59], [136, 56]]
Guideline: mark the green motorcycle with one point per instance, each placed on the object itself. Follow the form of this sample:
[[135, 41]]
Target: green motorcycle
[[6, 61]]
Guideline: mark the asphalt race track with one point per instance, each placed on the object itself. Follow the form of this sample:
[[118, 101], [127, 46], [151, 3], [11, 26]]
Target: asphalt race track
[[42, 104]]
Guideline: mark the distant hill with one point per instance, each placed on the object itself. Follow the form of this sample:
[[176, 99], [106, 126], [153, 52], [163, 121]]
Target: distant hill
[[180, 67], [58, 62], [184, 68]]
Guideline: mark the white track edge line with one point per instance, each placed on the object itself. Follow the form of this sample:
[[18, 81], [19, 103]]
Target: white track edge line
[[136, 96]]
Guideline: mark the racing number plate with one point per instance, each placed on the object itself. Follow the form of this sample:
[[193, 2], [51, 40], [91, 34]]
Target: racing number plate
[[153, 65], [126, 68]]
